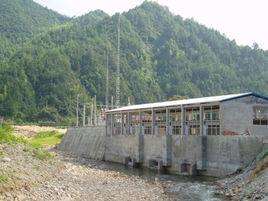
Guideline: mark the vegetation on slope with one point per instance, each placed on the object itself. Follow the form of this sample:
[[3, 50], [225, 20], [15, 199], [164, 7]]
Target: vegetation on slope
[[161, 55], [33, 146], [23, 18]]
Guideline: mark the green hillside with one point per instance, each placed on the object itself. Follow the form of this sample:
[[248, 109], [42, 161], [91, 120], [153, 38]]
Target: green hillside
[[20, 19], [162, 55]]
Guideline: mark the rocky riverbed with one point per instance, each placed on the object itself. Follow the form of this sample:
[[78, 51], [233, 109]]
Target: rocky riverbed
[[67, 177], [71, 178]]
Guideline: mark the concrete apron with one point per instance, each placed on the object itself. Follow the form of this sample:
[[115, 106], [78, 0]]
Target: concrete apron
[[185, 155]]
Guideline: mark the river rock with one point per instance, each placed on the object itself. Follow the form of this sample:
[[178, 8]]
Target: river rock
[[6, 159]]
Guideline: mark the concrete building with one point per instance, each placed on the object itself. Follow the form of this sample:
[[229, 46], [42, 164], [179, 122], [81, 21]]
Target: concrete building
[[211, 135]]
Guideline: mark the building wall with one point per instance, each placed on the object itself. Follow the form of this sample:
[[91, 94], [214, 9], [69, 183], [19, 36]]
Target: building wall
[[224, 154], [184, 149], [237, 117], [121, 146], [153, 145]]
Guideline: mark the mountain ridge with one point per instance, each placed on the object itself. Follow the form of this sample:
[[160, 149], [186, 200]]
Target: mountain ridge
[[161, 55]]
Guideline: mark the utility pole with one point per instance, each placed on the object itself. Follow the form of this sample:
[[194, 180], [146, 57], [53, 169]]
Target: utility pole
[[112, 102], [77, 110], [84, 114], [91, 114], [117, 92], [95, 108], [107, 82], [128, 101]]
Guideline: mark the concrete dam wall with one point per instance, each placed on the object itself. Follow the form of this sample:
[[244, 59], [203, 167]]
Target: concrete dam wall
[[88, 142], [187, 154]]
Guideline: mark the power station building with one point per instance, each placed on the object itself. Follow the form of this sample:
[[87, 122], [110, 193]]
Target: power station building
[[212, 135]]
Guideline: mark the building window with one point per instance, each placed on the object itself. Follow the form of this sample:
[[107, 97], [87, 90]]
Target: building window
[[211, 120], [134, 123], [175, 121], [117, 124], [192, 123], [147, 122], [125, 124], [160, 122], [260, 115], [213, 130]]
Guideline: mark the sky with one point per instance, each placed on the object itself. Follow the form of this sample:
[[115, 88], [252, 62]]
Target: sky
[[242, 20]]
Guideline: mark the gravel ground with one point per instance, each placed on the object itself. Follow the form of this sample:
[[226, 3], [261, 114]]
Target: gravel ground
[[69, 178], [246, 186]]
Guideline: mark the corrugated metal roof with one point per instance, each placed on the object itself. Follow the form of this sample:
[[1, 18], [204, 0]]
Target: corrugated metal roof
[[183, 102]]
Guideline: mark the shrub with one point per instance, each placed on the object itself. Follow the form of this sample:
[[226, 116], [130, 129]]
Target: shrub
[[42, 154]]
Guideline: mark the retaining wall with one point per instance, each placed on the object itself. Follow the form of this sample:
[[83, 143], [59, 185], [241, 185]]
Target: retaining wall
[[88, 142]]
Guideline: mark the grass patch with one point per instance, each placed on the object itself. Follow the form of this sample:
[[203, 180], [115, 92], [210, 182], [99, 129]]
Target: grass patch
[[3, 179], [7, 136], [34, 146], [42, 154], [46, 138]]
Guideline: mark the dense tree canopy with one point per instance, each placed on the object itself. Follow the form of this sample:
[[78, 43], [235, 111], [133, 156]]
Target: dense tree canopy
[[161, 56]]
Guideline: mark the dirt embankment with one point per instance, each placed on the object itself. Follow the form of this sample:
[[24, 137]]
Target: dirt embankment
[[252, 184]]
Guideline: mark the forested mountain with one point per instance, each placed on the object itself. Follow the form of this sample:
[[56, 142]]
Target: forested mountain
[[20, 19], [161, 55]]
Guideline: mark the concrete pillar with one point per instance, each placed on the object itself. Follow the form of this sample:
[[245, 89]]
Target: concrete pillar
[[201, 120], [106, 124], [153, 122], [167, 121], [140, 119], [122, 124], [112, 124], [182, 120], [128, 124]]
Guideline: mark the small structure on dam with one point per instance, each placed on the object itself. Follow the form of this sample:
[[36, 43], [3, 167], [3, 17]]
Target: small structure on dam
[[209, 136]]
